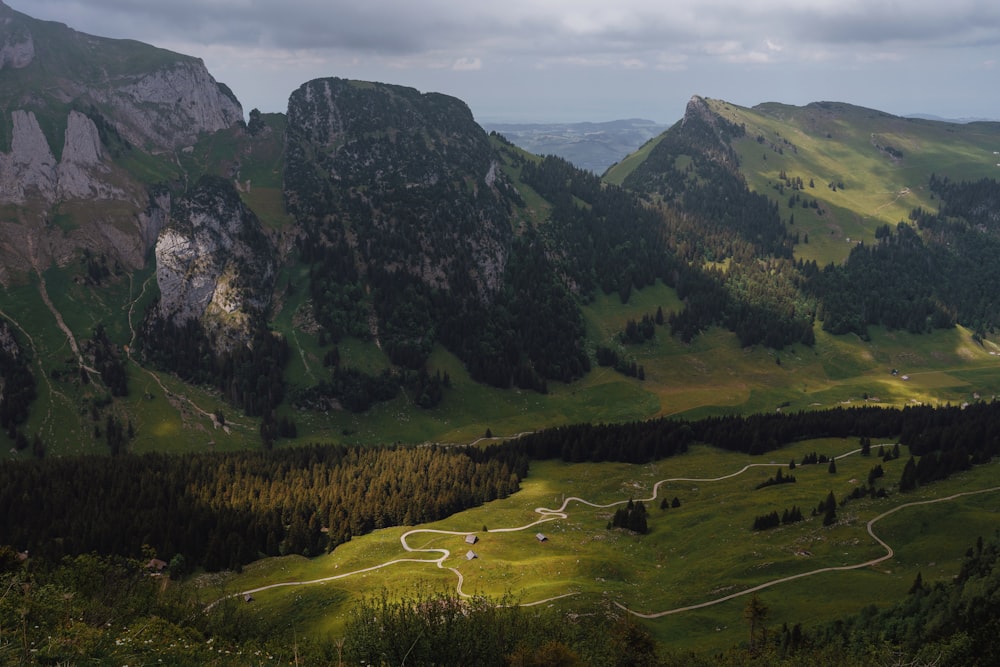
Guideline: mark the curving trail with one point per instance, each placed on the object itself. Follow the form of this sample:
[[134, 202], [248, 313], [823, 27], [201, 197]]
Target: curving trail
[[842, 568], [548, 514], [48, 422], [155, 377], [131, 310]]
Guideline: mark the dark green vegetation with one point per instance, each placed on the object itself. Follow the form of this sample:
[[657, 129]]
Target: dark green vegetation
[[226, 510], [421, 265], [114, 601], [918, 276], [381, 270], [19, 386]]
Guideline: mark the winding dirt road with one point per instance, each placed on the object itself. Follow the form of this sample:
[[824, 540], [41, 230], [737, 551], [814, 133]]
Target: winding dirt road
[[889, 553], [548, 514]]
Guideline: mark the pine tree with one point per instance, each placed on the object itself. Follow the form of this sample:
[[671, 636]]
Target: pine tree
[[908, 480], [830, 510], [755, 612]]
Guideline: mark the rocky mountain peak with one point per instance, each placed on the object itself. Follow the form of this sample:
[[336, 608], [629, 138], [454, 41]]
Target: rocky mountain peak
[[436, 206]]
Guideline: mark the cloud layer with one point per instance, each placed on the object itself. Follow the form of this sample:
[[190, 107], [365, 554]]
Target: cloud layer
[[571, 50]]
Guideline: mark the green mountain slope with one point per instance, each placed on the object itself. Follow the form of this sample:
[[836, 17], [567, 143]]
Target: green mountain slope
[[418, 279], [868, 168]]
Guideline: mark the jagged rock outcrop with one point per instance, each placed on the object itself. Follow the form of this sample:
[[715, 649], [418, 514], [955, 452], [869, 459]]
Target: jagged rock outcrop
[[713, 132], [214, 263], [30, 169], [30, 164]]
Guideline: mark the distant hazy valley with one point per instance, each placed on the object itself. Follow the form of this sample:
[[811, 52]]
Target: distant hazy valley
[[590, 146]]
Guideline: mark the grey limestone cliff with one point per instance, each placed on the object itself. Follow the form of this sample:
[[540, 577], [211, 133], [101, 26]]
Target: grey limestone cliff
[[73, 105], [214, 263], [168, 108]]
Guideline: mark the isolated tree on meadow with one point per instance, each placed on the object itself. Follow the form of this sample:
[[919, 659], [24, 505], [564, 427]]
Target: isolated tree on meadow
[[755, 612], [830, 510]]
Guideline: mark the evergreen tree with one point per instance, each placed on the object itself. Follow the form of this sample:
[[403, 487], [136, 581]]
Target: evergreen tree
[[755, 613], [829, 510], [908, 480]]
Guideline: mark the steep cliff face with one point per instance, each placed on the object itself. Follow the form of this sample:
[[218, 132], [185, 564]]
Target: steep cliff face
[[154, 98], [215, 264], [30, 170], [413, 173], [168, 108], [73, 105]]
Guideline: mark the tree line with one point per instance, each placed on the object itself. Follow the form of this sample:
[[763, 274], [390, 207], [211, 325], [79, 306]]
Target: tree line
[[225, 510]]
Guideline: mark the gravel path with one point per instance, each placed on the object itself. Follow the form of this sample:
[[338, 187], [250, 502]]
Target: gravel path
[[549, 514]]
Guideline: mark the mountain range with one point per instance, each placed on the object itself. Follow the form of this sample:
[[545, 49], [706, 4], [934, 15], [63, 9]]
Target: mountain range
[[373, 265]]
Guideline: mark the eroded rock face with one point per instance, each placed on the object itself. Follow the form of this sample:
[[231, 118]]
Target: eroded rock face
[[30, 163], [215, 264], [17, 49], [168, 108], [70, 190], [31, 170]]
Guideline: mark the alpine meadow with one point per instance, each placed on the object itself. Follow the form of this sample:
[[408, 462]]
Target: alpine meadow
[[363, 383]]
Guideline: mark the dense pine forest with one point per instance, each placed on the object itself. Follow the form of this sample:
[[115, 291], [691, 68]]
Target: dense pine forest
[[226, 510]]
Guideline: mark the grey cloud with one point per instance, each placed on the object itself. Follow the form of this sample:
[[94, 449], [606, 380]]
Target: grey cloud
[[571, 51], [518, 27]]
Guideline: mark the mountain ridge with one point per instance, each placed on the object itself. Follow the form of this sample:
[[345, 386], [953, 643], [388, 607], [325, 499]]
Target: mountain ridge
[[375, 251]]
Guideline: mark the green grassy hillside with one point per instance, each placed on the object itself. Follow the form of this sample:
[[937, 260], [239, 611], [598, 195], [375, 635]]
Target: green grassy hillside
[[879, 164], [711, 375], [696, 554]]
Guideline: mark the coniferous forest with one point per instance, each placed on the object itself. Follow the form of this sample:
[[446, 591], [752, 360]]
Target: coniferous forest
[[226, 510]]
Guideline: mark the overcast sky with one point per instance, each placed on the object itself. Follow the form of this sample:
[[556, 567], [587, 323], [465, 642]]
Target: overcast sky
[[574, 60]]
